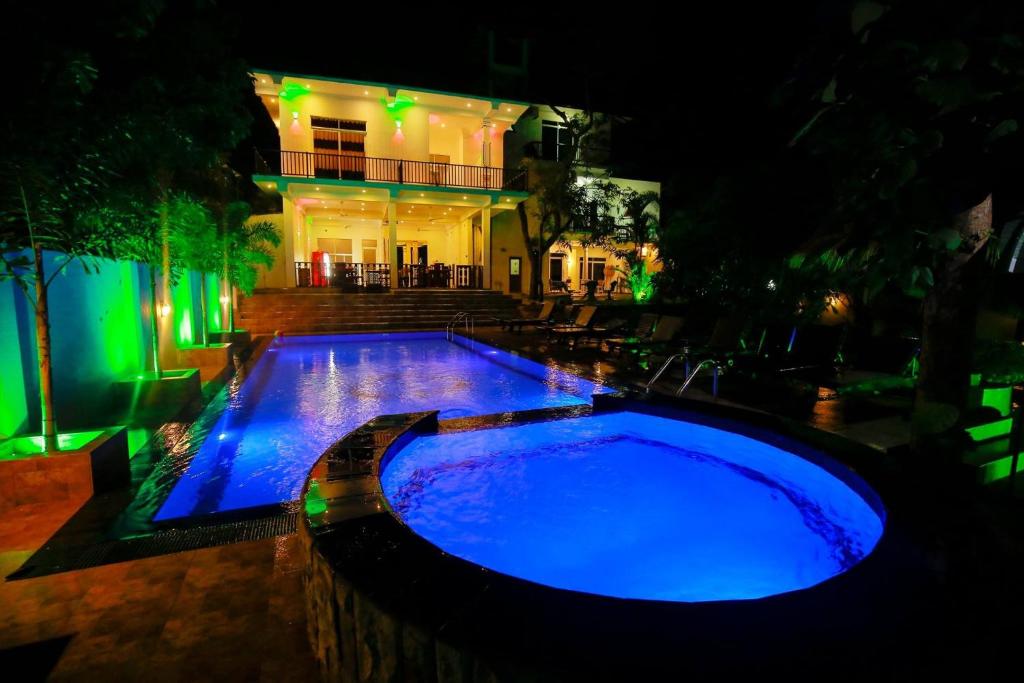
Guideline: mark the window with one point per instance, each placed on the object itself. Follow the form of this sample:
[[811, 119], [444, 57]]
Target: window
[[369, 251], [594, 269], [554, 140], [339, 248], [339, 147]]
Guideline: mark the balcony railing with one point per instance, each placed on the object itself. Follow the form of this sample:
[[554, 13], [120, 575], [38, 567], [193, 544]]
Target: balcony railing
[[376, 277], [378, 169]]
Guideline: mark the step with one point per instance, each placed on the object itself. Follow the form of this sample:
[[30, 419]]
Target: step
[[989, 468]]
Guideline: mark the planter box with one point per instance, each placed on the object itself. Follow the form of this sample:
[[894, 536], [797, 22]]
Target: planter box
[[239, 338], [146, 400], [88, 463], [211, 360]]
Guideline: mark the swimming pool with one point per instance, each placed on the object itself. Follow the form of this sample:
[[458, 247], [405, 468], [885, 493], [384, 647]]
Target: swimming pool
[[636, 506], [307, 392]]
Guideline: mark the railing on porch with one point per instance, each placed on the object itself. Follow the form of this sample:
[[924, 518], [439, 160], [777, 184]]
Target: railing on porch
[[348, 277], [378, 169], [376, 277]]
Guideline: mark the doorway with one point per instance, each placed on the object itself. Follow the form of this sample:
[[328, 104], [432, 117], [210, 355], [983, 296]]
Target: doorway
[[515, 275], [556, 268]]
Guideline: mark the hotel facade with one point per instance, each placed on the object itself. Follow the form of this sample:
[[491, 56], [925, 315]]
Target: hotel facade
[[386, 187]]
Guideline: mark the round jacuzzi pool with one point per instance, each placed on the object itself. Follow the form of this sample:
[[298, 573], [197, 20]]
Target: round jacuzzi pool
[[636, 506]]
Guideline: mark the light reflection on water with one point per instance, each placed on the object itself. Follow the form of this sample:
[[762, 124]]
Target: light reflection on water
[[305, 393]]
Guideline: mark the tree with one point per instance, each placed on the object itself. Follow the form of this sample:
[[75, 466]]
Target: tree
[[247, 245], [641, 226], [564, 201], [194, 241], [53, 172], [727, 249], [916, 125], [121, 103]]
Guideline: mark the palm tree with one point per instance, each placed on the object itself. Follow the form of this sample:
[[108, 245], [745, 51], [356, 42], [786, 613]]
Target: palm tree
[[641, 227], [246, 245]]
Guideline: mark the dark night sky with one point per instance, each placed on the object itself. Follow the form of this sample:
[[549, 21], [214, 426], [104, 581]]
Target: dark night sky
[[696, 81]]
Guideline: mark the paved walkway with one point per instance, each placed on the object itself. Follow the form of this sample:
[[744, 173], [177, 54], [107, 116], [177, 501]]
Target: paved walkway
[[229, 613]]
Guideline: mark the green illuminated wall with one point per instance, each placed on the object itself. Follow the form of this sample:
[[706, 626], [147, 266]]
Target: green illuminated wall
[[13, 408], [100, 333], [97, 335]]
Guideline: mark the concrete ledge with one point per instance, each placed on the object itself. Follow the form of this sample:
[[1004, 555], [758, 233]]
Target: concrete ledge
[[211, 360], [237, 338], [28, 476], [146, 399]]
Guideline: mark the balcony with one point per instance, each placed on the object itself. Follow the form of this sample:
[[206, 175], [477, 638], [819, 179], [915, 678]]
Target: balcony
[[382, 170]]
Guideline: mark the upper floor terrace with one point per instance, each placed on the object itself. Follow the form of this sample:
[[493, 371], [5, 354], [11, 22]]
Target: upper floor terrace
[[378, 133]]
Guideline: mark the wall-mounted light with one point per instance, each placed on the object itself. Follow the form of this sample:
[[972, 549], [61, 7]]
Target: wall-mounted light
[[224, 299], [295, 116], [164, 310]]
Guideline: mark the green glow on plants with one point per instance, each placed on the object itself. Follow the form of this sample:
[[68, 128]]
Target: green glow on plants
[[641, 283], [23, 446], [292, 91]]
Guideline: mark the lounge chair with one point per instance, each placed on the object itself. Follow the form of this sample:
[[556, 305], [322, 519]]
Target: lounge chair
[[516, 324], [584, 319], [642, 332], [664, 340], [597, 333]]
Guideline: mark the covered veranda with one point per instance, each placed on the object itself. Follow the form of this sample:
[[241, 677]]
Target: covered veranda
[[375, 237]]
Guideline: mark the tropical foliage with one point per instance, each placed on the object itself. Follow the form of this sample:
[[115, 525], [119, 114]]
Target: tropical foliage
[[568, 199]]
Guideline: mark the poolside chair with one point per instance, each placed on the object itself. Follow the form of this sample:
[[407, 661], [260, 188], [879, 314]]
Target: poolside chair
[[547, 310], [665, 334], [642, 332], [584, 319], [597, 333]]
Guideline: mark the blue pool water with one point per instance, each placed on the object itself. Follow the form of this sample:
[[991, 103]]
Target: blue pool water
[[632, 506], [307, 392]]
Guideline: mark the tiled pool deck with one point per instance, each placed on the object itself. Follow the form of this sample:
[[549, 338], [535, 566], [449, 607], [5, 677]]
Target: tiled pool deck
[[229, 612], [200, 615]]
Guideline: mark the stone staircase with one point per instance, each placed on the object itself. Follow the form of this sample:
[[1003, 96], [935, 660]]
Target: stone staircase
[[318, 311]]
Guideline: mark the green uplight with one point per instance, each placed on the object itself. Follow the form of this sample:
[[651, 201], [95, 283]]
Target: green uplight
[[22, 446], [395, 108], [293, 90], [315, 503]]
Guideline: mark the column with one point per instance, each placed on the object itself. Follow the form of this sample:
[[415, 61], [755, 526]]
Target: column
[[485, 231], [288, 228], [393, 242]]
